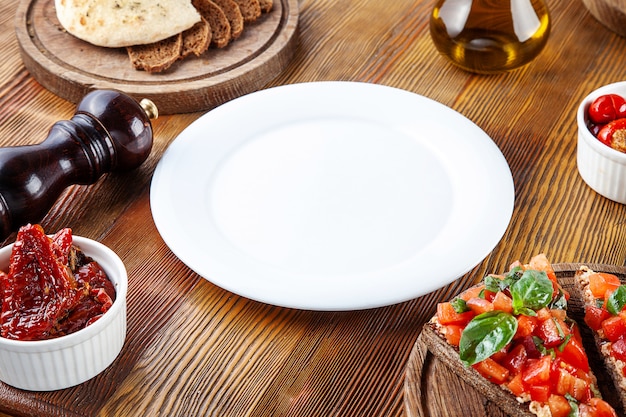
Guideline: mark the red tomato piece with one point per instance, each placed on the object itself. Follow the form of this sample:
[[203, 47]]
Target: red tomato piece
[[479, 305], [606, 108], [526, 326], [453, 334], [471, 292], [602, 408], [540, 393], [516, 385], [503, 302], [447, 315], [574, 354], [559, 406], [600, 283], [618, 349], [594, 316], [613, 133], [537, 371], [552, 332], [515, 360], [492, 370], [613, 327]]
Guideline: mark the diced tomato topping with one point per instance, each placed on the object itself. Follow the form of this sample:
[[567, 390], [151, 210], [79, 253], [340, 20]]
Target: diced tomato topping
[[613, 327], [516, 385], [602, 408], [453, 334], [503, 302], [531, 349], [489, 295], [569, 384], [618, 349], [594, 316], [525, 326], [543, 314], [479, 305], [601, 282], [552, 332], [559, 406], [492, 370], [537, 371], [515, 360], [447, 315], [574, 354], [539, 393]]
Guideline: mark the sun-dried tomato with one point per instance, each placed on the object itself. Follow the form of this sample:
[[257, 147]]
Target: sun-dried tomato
[[52, 288]]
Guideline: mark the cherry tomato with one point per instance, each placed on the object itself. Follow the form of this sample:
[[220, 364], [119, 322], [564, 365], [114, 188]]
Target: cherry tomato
[[606, 108], [613, 134]]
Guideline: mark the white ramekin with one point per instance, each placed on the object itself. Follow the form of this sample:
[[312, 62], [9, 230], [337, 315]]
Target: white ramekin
[[66, 361], [600, 166]]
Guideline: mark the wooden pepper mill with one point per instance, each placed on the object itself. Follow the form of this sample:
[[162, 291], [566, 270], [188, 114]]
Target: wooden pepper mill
[[110, 132]]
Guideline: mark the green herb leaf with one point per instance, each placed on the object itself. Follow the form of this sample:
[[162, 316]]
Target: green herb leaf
[[560, 301], [485, 335], [532, 291], [617, 300], [459, 305]]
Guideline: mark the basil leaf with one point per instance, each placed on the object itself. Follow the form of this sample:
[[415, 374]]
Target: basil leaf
[[560, 302], [459, 305], [492, 283], [617, 300], [485, 335], [532, 291]]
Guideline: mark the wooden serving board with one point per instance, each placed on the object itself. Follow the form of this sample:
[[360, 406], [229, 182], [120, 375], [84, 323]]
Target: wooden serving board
[[70, 67], [431, 389]]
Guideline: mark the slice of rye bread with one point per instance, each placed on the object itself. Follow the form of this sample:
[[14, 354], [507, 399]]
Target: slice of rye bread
[[196, 40], [250, 10], [614, 366], [234, 16], [493, 392], [220, 27], [266, 5], [157, 56]]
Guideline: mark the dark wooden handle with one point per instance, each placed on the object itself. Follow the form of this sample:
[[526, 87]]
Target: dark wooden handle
[[110, 132]]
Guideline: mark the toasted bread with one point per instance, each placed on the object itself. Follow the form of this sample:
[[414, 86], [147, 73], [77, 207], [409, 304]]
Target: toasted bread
[[250, 9], [220, 26], [196, 40], [234, 16], [157, 56], [614, 366], [512, 339], [266, 5]]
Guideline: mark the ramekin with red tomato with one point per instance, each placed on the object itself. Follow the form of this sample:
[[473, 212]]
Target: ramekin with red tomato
[[601, 153]]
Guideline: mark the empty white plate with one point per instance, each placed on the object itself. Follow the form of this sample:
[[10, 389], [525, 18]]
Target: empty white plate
[[332, 195]]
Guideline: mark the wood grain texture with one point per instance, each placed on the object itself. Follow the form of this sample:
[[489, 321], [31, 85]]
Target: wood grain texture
[[71, 67], [195, 349], [432, 381]]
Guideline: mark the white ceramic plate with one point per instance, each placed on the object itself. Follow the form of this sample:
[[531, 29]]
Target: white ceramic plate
[[332, 196]]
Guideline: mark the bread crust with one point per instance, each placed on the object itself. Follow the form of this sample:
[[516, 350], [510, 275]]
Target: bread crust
[[450, 357]]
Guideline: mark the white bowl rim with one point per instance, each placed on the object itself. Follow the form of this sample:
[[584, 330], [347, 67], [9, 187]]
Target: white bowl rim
[[581, 118], [121, 287]]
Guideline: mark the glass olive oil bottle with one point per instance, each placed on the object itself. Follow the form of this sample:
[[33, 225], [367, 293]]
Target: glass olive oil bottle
[[490, 36]]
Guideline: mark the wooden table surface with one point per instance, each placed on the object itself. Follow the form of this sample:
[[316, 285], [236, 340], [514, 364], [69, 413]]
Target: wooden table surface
[[206, 351]]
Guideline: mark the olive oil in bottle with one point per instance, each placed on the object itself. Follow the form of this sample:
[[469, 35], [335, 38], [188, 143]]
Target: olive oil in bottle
[[490, 36]]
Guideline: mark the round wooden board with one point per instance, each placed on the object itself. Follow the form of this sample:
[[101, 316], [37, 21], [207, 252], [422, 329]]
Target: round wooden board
[[431, 389], [70, 67]]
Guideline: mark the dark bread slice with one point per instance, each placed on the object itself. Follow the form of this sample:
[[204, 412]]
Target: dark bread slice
[[157, 56], [220, 26], [447, 354], [613, 366], [250, 10], [196, 40], [234, 16], [266, 5]]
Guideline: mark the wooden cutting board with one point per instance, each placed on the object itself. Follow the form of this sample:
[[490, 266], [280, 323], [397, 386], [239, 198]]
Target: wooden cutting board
[[70, 67], [431, 389]]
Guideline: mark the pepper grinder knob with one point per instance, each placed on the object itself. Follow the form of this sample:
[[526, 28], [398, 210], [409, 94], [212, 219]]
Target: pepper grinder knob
[[110, 132]]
